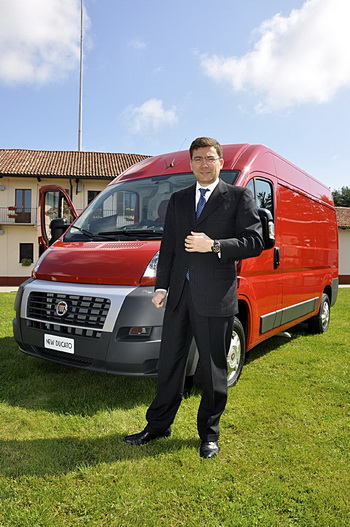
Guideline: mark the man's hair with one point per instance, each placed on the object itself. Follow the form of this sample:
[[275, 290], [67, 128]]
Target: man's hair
[[201, 142]]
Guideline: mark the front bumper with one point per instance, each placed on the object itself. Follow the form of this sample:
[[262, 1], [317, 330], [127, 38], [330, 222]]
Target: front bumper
[[107, 349]]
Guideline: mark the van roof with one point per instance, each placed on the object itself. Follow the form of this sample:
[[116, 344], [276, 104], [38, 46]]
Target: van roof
[[177, 162], [238, 157]]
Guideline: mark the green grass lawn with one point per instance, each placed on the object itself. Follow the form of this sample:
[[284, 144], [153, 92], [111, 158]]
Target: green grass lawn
[[284, 442]]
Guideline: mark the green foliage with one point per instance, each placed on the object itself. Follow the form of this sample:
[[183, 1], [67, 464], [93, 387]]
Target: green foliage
[[342, 197], [26, 262], [284, 442]]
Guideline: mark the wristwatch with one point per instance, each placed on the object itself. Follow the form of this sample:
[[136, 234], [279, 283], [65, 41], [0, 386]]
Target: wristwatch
[[216, 246]]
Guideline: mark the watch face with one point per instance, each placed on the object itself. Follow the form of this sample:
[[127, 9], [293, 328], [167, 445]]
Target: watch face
[[216, 247]]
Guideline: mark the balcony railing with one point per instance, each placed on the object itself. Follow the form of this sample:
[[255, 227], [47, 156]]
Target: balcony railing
[[20, 216]]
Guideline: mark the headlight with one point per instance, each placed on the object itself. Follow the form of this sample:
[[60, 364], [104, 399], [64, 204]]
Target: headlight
[[38, 263], [149, 276]]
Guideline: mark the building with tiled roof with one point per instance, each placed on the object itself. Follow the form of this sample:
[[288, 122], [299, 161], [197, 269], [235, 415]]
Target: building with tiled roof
[[343, 220], [62, 164], [343, 217], [22, 173]]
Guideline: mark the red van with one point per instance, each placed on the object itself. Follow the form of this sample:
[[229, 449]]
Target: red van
[[88, 303]]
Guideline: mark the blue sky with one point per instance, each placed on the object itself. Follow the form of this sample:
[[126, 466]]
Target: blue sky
[[158, 73]]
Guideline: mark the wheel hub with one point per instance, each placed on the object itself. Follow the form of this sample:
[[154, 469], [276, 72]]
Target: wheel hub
[[325, 316], [233, 357]]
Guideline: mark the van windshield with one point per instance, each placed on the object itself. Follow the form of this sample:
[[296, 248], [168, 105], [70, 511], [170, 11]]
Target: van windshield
[[132, 209]]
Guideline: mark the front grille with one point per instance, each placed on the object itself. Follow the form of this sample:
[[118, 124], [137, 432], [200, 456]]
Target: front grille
[[69, 331], [82, 311]]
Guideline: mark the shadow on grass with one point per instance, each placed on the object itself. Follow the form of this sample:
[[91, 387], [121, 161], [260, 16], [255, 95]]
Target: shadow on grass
[[49, 457], [37, 384], [276, 342]]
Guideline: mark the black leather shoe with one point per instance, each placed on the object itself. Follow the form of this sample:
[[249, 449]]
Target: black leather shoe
[[209, 449], [144, 437]]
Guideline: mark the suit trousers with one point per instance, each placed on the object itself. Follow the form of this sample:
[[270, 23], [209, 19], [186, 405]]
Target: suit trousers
[[212, 336]]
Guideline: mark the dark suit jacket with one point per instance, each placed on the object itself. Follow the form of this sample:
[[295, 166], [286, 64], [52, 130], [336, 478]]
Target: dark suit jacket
[[230, 215]]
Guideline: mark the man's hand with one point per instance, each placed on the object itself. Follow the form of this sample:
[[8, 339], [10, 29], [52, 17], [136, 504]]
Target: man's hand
[[198, 242], [158, 298]]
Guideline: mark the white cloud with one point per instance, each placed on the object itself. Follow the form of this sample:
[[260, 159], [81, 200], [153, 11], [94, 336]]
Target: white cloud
[[137, 44], [149, 116], [39, 39], [302, 58]]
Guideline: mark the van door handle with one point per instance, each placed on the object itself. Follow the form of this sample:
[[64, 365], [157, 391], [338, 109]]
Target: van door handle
[[276, 258]]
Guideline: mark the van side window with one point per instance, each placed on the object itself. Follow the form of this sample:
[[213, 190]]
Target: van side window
[[263, 193], [251, 187]]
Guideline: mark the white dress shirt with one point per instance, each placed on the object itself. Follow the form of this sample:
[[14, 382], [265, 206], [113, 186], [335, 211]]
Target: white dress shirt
[[207, 195]]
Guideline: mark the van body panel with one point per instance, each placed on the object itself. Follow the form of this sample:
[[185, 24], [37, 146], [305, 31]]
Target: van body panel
[[255, 159], [119, 263], [276, 290]]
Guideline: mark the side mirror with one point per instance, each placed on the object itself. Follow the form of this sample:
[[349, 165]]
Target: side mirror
[[58, 226], [268, 228]]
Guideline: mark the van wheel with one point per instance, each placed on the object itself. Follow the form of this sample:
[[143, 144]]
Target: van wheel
[[320, 322], [235, 357], [236, 354]]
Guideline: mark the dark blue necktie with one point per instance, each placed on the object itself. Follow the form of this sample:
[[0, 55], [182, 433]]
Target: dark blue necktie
[[200, 206], [201, 202]]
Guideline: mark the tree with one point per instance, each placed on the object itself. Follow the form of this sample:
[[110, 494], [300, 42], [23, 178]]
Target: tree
[[342, 197]]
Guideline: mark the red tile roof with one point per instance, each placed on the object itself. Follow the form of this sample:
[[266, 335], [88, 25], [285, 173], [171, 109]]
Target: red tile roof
[[65, 164], [343, 217]]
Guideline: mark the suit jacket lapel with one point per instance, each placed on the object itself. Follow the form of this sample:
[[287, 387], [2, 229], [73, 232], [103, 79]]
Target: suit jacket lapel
[[215, 200], [188, 204]]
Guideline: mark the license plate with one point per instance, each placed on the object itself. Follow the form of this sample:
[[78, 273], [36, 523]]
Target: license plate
[[53, 342]]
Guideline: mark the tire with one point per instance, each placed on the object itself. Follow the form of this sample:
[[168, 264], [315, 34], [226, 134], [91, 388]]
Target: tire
[[320, 322], [236, 354], [235, 357]]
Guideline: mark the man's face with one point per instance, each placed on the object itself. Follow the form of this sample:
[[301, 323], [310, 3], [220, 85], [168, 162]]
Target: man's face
[[206, 165]]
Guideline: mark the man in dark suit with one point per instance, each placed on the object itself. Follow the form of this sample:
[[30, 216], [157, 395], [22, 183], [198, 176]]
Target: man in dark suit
[[208, 227]]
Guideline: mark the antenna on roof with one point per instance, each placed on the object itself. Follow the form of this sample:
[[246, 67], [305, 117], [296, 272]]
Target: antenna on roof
[[173, 161], [81, 81]]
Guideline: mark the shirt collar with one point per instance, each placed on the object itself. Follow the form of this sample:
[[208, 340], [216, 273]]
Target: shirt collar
[[209, 187]]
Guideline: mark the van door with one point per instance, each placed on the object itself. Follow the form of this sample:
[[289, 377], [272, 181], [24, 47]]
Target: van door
[[54, 202], [263, 273]]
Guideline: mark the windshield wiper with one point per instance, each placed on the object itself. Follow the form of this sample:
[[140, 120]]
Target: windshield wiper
[[113, 235], [90, 234]]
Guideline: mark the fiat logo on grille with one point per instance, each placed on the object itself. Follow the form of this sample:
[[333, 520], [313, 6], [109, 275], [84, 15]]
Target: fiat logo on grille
[[61, 308]]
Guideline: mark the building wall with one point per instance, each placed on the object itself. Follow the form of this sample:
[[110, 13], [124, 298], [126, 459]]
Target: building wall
[[13, 234], [344, 256]]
